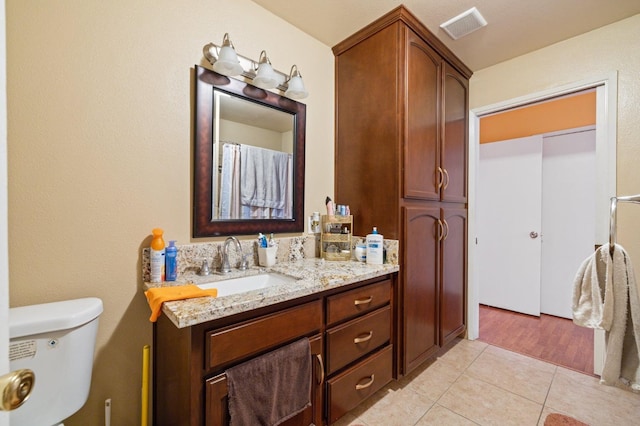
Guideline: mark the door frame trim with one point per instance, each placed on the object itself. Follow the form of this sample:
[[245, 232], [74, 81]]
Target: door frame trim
[[4, 211], [606, 86]]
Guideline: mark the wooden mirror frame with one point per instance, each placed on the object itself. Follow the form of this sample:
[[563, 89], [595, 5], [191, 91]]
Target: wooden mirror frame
[[203, 225]]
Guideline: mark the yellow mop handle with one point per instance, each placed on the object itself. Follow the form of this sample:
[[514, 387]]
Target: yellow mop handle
[[145, 386]]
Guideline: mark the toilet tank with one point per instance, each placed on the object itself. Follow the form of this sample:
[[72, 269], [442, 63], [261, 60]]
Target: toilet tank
[[56, 341]]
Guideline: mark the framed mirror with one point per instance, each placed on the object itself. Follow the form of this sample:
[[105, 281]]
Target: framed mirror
[[249, 159]]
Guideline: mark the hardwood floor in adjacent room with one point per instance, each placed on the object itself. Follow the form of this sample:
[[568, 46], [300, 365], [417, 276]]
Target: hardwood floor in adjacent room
[[548, 338]]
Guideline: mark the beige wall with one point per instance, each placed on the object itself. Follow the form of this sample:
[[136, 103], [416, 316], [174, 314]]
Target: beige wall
[[591, 55], [230, 131], [99, 146]]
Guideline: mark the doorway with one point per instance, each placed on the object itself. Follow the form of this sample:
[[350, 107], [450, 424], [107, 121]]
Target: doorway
[[606, 108], [536, 216]]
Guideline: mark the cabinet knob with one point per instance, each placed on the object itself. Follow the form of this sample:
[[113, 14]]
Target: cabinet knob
[[533, 234]]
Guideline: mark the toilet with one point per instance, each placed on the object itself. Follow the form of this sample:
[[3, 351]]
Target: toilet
[[56, 341]]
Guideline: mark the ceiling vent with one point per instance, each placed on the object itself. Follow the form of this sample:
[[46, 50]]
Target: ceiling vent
[[463, 24]]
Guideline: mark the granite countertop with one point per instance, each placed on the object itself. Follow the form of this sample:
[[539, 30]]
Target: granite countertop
[[312, 276]]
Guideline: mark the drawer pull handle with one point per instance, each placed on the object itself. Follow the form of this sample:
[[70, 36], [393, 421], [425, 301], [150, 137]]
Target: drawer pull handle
[[446, 227], [440, 230], [362, 338], [363, 301], [366, 385], [321, 378]]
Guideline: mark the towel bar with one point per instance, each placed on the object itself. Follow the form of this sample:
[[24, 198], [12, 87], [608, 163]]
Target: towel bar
[[613, 215]]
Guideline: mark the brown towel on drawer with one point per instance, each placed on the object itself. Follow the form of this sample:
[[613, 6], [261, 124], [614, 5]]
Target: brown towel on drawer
[[271, 388]]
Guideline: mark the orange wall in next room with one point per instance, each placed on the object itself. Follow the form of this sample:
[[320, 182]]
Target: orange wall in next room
[[567, 112]]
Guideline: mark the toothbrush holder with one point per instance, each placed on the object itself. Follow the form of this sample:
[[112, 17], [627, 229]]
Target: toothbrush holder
[[267, 256]]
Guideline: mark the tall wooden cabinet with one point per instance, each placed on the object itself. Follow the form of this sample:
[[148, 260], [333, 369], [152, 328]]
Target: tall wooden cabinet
[[401, 165]]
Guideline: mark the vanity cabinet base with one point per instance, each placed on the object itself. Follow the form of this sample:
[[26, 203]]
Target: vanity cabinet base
[[189, 364], [190, 386]]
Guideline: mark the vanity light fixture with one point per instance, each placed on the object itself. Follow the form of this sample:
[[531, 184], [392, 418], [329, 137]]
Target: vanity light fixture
[[295, 86], [227, 62], [261, 73], [265, 75]]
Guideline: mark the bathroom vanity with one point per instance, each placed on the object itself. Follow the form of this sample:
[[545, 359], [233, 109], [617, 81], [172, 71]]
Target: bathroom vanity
[[344, 309]]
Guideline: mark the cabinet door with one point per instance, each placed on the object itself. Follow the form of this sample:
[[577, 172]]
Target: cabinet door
[[454, 135], [453, 276], [419, 295], [367, 150], [217, 413], [421, 156]]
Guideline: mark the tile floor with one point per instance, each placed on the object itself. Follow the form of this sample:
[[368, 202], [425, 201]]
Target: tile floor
[[475, 383]]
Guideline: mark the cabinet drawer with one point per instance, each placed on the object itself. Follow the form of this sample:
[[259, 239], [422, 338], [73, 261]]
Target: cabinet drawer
[[358, 301], [246, 339], [354, 339], [348, 389]]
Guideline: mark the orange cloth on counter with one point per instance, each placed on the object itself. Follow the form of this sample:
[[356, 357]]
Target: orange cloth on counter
[[158, 295]]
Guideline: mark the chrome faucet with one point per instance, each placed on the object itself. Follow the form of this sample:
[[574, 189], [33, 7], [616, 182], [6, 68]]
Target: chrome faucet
[[242, 262]]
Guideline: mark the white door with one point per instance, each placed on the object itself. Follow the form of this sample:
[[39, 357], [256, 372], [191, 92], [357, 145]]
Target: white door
[[568, 215], [509, 192], [4, 257]]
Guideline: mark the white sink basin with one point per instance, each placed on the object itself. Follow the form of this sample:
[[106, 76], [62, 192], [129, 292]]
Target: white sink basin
[[244, 284]]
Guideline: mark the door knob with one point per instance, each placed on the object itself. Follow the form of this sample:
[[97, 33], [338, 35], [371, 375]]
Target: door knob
[[16, 388], [533, 234]]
